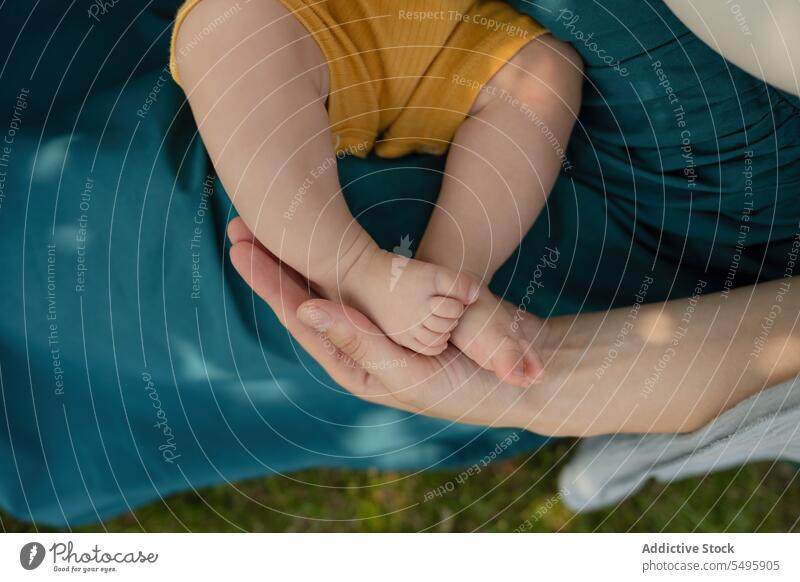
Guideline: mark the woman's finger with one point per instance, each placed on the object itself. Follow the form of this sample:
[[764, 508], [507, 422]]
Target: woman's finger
[[284, 294], [393, 371], [262, 272], [238, 232], [357, 338], [358, 346]]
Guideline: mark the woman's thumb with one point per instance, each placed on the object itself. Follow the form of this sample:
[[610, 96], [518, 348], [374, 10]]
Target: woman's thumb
[[352, 334]]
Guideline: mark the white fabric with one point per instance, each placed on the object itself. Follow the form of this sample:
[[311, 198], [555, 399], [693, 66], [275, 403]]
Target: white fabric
[[607, 469]]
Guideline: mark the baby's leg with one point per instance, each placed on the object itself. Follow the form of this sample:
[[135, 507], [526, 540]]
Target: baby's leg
[[500, 169], [257, 85]]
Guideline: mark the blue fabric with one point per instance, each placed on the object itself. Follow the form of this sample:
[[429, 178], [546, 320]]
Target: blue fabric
[[120, 387]]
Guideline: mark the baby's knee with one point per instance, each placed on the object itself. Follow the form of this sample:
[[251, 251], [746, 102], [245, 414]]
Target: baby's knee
[[546, 63], [549, 52]]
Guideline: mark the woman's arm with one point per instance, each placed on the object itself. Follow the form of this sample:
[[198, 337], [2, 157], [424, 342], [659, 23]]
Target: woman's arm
[[678, 365], [673, 366]]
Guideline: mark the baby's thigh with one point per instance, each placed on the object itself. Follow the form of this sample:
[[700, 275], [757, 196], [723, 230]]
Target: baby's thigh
[[252, 85], [546, 70], [228, 40], [254, 79]]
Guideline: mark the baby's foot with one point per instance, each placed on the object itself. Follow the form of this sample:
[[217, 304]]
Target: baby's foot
[[417, 304], [488, 335]]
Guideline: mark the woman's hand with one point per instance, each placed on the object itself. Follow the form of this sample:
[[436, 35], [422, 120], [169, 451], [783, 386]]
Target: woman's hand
[[360, 358], [672, 367]]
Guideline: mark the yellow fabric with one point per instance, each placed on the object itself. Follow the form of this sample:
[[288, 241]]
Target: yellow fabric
[[404, 73]]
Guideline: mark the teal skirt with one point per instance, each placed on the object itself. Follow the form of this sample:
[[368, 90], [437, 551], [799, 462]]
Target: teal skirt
[[134, 362]]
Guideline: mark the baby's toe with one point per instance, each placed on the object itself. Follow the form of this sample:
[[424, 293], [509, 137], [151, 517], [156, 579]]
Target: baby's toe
[[532, 361], [431, 338], [458, 286], [438, 324], [428, 349], [508, 362], [428, 345], [446, 307]]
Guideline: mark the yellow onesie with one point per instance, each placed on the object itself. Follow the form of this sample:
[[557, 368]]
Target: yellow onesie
[[404, 73]]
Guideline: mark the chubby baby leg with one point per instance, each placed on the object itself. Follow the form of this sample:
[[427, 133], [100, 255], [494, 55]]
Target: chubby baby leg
[[257, 86], [501, 167]]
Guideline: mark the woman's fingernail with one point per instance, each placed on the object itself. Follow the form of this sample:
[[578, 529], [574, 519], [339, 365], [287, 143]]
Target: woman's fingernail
[[316, 318]]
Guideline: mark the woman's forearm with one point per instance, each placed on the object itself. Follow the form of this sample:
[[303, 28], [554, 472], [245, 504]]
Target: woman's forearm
[[674, 366]]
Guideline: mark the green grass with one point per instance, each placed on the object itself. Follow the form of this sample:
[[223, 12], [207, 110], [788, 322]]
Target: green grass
[[763, 497]]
